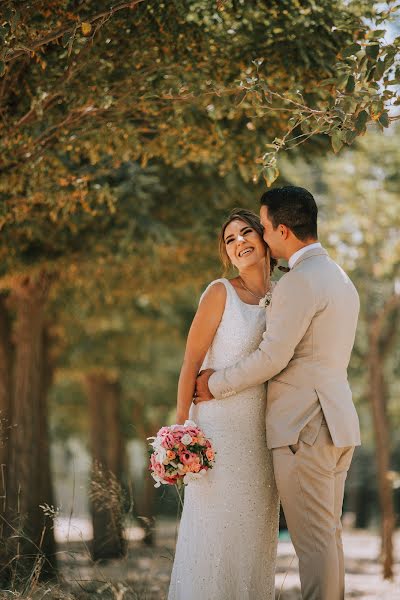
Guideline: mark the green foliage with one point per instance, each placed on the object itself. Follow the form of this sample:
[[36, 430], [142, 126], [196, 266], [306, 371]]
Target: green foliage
[[185, 81]]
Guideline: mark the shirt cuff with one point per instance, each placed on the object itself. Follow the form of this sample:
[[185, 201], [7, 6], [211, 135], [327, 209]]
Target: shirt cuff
[[217, 387]]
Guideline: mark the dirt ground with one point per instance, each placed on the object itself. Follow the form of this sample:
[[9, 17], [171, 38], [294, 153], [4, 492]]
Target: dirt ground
[[144, 573]]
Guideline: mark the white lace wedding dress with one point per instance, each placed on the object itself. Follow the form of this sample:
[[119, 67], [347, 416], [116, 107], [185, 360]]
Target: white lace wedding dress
[[226, 547]]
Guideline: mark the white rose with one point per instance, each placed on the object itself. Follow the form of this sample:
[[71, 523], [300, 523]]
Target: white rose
[[157, 479], [161, 454], [186, 439], [157, 443], [190, 424]]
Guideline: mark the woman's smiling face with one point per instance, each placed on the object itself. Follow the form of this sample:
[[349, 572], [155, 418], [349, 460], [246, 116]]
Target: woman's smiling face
[[244, 246]]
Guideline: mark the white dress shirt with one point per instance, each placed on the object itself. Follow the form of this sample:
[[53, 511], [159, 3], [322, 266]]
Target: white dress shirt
[[300, 252]]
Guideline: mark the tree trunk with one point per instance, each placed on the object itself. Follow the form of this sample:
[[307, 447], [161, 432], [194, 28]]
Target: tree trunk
[[382, 440], [146, 509], [146, 500], [5, 416], [5, 378], [106, 492], [31, 530], [46, 485]]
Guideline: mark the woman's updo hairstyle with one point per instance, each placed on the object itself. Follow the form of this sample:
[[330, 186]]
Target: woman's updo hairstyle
[[253, 221]]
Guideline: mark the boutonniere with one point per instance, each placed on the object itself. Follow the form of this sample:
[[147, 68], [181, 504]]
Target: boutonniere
[[265, 300]]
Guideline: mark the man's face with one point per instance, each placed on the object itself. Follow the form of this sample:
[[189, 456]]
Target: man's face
[[272, 236]]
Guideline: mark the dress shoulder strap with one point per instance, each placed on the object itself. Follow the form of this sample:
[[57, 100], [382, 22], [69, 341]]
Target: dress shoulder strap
[[228, 287]]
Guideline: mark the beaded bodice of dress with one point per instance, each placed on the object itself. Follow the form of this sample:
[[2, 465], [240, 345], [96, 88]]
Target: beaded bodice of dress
[[241, 416], [239, 333]]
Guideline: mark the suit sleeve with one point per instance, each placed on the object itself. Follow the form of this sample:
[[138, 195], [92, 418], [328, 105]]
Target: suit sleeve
[[292, 309]]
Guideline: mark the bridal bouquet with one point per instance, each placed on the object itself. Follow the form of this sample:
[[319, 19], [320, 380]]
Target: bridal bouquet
[[180, 453]]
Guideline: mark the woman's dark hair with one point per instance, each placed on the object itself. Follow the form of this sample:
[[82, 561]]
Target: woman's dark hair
[[252, 220], [293, 207]]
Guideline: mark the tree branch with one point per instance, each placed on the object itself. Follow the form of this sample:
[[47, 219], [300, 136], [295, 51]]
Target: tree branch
[[55, 35]]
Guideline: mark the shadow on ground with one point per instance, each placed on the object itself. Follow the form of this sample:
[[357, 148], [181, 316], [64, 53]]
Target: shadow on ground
[[144, 573]]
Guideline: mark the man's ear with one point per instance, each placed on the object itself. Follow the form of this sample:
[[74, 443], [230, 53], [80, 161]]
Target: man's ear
[[284, 231]]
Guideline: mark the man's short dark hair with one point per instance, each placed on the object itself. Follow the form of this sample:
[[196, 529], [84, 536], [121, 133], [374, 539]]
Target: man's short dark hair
[[294, 207]]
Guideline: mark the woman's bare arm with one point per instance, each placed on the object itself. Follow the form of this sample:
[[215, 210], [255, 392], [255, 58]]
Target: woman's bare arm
[[201, 334]]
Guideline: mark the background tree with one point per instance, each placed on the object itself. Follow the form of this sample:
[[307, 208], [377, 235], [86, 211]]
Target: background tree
[[108, 452], [28, 490]]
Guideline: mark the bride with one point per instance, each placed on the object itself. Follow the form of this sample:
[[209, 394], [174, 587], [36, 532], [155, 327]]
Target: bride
[[226, 548]]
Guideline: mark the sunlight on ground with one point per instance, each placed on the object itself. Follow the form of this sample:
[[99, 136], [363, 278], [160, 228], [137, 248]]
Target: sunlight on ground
[[81, 530], [363, 572], [148, 568]]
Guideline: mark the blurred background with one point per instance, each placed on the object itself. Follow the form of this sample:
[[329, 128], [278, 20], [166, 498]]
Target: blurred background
[[128, 133]]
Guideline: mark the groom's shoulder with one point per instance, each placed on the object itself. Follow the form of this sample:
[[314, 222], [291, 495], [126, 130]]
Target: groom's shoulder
[[305, 276], [293, 282], [324, 273], [315, 265]]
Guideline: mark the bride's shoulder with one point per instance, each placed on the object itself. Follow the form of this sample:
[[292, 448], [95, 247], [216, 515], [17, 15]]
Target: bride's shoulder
[[217, 287], [215, 291]]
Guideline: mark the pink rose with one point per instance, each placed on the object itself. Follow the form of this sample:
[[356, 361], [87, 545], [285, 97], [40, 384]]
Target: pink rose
[[163, 431], [157, 467], [178, 429], [189, 458], [168, 440], [177, 434], [193, 431]]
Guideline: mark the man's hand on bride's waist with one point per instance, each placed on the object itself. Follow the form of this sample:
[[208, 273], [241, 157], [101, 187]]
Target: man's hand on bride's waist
[[202, 392]]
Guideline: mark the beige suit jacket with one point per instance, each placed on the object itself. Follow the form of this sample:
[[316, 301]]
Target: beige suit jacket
[[311, 325]]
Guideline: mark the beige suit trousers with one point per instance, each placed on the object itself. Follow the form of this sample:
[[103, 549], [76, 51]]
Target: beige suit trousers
[[310, 481]]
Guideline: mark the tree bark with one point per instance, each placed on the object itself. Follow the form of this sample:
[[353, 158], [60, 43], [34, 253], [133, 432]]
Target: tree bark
[[106, 494], [31, 543], [146, 500], [5, 381], [380, 338], [5, 413], [46, 483]]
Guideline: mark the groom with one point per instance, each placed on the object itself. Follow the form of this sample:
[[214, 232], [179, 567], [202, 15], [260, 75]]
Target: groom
[[312, 425]]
